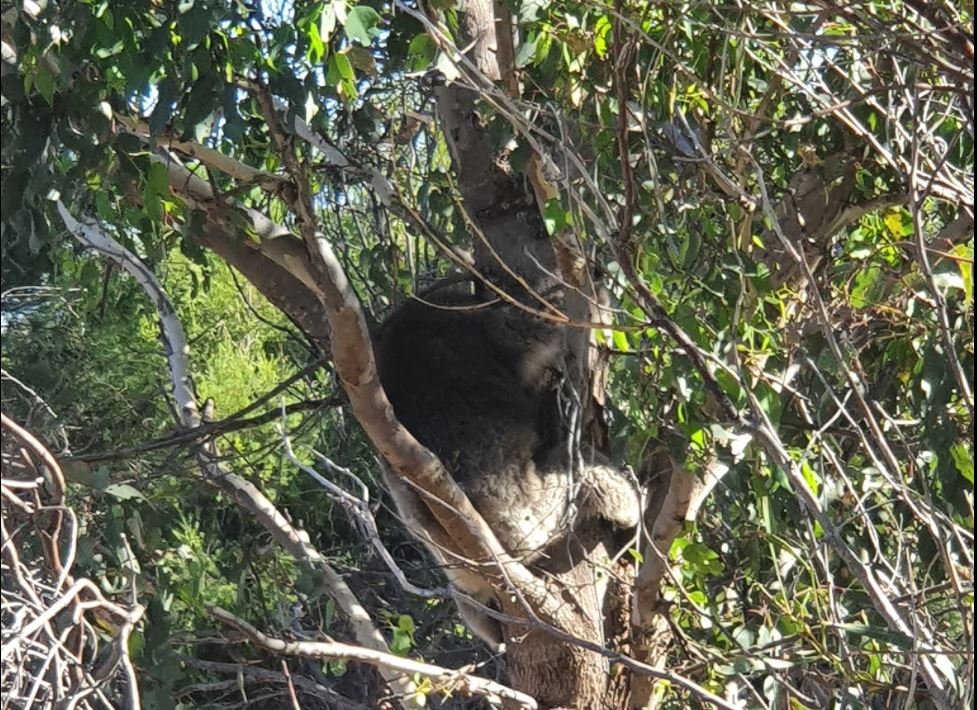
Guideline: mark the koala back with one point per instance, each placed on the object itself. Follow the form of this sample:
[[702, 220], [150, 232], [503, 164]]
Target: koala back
[[476, 384], [459, 388]]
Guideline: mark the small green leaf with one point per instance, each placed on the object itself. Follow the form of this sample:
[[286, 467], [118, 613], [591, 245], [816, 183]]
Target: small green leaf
[[340, 74], [44, 81], [201, 102], [361, 24], [101, 478], [317, 49], [602, 31], [554, 216], [400, 644], [90, 274], [406, 624], [698, 440], [156, 187], [965, 263], [165, 98], [527, 50], [878, 633], [543, 45], [963, 459], [701, 559], [123, 491], [621, 341], [896, 224], [421, 52], [769, 401], [813, 482], [106, 52], [867, 287], [335, 668]]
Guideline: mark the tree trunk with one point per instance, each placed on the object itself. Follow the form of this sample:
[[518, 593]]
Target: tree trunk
[[513, 250]]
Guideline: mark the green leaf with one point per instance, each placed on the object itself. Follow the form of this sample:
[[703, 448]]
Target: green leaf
[[965, 262], [769, 400], [155, 189], [813, 482], [202, 101], [106, 52], [963, 459], [234, 125], [527, 50], [554, 216], [406, 624], [867, 287], [602, 31], [340, 74], [400, 644], [101, 478], [896, 224], [361, 24], [878, 633], [165, 99], [194, 23], [701, 559], [44, 80], [621, 341], [421, 52], [123, 491], [543, 46], [90, 274], [335, 668], [317, 49]]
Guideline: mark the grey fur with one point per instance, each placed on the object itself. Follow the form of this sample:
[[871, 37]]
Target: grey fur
[[477, 385]]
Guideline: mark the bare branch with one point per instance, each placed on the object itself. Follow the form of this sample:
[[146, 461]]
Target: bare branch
[[47, 612], [448, 681]]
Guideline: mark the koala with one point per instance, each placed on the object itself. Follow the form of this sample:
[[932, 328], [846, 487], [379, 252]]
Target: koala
[[477, 384]]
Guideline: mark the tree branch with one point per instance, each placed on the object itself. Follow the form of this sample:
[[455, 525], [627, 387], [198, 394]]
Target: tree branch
[[353, 358], [238, 489], [449, 681]]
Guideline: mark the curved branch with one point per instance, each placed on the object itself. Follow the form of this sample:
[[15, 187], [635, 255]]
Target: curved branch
[[241, 491], [352, 351]]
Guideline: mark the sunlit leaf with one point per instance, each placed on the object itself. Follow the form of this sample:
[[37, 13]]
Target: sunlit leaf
[[362, 23], [421, 52]]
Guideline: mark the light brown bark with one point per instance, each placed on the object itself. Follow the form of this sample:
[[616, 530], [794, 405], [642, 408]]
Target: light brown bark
[[512, 249]]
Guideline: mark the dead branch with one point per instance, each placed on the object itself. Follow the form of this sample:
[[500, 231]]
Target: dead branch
[[449, 681], [48, 613]]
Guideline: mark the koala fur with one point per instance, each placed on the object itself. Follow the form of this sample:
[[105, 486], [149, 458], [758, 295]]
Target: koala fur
[[477, 385]]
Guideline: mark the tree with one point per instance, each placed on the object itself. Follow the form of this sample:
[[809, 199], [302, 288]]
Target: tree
[[761, 221]]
